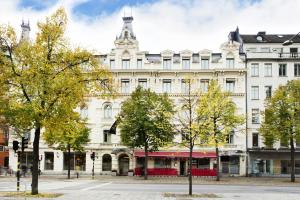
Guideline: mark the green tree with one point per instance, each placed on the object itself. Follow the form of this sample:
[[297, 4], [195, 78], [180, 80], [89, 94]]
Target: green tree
[[70, 133], [43, 76], [145, 121], [282, 119], [219, 112], [189, 125]]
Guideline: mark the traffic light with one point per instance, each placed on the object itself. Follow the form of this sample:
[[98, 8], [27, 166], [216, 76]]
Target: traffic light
[[24, 143], [93, 155], [15, 145]]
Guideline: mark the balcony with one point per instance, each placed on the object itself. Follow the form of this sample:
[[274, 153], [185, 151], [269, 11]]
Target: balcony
[[289, 55]]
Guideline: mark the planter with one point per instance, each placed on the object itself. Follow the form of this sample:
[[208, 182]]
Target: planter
[[130, 173], [114, 173]]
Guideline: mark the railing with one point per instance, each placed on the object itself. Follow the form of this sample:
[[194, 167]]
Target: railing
[[204, 172], [289, 55]]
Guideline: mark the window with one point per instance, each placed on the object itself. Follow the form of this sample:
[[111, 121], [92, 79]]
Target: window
[[125, 87], [204, 85], [268, 90], [255, 116], [254, 92], [77, 161], [106, 136], [185, 63], [139, 63], [107, 111], [268, 69], [282, 69], [143, 83], [1, 148], [254, 69], [229, 63], [265, 49], [162, 163], [204, 64], [230, 85], [84, 112], [203, 163], [255, 139], [166, 85], [106, 162], [294, 52], [49, 160], [167, 63], [230, 138], [297, 69], [125, 64], [185, 86], [112, 64]]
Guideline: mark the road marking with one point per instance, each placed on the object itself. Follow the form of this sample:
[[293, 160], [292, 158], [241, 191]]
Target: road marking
[[96, 186]]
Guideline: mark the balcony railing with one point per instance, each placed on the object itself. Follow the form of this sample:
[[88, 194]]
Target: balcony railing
[[289, 55]]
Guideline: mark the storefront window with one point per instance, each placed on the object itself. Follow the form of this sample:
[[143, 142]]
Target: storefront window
[[49, 160], [26, 161], [77, 161], [162, 163]]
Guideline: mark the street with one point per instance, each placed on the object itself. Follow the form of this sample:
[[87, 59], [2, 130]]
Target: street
[[100, 189]]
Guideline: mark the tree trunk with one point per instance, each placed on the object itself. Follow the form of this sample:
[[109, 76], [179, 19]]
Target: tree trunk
[[190, 170], [218, 161], [69, 161], [292, 159], [146, 162], [35, 163]]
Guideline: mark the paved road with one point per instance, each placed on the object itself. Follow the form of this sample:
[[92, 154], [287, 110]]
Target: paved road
[[95, 189]]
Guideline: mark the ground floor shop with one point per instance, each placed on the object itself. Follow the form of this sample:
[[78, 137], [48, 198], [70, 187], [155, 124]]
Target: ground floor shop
[[272, 162], [121, 161], [177, 163]]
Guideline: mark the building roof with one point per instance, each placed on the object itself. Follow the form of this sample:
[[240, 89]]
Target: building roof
[[261, 37]]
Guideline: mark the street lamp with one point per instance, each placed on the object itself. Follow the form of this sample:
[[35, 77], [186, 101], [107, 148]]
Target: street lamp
[[290, 41]]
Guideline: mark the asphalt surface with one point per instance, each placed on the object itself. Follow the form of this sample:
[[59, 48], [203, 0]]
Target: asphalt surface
[[95, 189]]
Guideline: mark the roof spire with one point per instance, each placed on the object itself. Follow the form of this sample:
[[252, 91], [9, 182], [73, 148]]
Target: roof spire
[[25, 30]]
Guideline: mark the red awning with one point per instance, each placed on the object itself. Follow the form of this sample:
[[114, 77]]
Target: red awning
[[177, 154]]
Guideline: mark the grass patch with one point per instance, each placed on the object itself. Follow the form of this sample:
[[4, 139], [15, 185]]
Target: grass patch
[[28, 194], [204, 195]]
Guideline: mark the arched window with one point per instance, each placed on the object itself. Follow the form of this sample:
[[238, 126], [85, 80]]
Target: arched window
[[106, 162], [107, 111]]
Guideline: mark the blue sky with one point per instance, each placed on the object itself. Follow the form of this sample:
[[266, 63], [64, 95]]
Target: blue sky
[[158, 24], [92, 8]]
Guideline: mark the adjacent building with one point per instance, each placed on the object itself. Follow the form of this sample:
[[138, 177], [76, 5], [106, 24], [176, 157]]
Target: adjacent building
[[269, 64]]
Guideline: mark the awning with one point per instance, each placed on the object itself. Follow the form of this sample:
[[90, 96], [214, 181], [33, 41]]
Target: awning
[[176, 154]]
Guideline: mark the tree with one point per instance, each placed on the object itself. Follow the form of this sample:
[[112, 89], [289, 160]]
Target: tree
[[219, 112], [43, 76], [145, 122], [71, 133], [189, 125], [282, 119]]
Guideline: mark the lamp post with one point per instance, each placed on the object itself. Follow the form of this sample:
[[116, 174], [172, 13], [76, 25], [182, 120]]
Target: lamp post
[[290, 41]]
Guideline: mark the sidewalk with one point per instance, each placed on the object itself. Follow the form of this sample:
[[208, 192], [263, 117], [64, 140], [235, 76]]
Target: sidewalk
[[267, 181]]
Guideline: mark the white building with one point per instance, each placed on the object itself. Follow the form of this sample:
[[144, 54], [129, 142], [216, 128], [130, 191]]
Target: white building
[[162, 72], [269, 64]]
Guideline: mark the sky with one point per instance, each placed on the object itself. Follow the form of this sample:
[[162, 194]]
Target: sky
[[158, 24]]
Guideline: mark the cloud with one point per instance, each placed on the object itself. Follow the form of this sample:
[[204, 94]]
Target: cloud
[[167, 24]]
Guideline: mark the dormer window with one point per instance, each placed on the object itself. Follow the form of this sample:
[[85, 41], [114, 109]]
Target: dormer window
[[230, 63], [167, 63], [125, 63], [186, 63]]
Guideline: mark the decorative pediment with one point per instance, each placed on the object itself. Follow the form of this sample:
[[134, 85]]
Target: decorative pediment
[[167, 53], [205, 52], [186, 53]]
